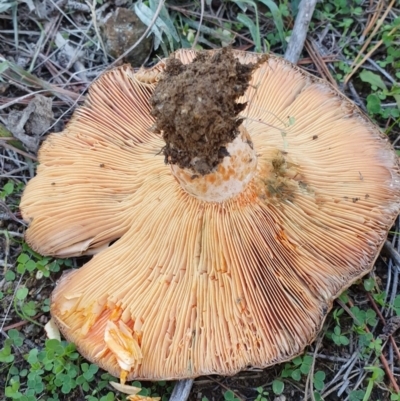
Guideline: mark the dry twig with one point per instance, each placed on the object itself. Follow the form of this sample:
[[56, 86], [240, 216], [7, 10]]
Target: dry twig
[[181, 390], [296, 42], [356, 64], [319, 62]]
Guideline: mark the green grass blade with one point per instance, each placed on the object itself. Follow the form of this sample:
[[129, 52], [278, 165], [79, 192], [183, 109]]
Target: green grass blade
[[251, 26], [277, 16], [256, 33]]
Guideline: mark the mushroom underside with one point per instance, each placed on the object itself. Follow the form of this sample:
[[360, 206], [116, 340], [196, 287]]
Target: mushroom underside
[[194, 287]]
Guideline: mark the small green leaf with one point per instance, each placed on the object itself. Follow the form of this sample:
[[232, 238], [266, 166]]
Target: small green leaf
[[356, 395], [344, 340], [297, 361], [52, 345], [16, 337], [8, 188], [23, 258], [317, 396], [373, 79], [251, 26], [278, 387], [109, 397], [319, 378], [296, 375], [9, 276], [305, 368], [29, 308], [22, 293], [66, 388], [229, 395], [369, 284], [6, 355], [344, 297], [30, 265], [32, 357], [373, 104]]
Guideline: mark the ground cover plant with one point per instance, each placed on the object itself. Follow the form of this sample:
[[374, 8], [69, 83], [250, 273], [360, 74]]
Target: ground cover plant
[[49, 53]]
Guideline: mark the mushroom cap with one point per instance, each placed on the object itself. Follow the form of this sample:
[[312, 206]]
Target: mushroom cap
[[194, 287]]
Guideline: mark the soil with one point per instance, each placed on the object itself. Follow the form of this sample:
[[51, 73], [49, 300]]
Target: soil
[[196, 108]]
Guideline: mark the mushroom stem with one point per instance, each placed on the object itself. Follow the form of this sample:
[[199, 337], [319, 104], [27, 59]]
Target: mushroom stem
[[228, 179], [196, 109]]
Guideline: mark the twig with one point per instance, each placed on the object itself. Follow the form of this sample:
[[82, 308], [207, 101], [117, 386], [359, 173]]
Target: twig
[[19, 324], [11, 215], [329, 358], [310, 376], [96, 28], [356, 64], [319, 62], [349, 312], [72, 22], [21, 152], [16, 170], [17, 75], [296, 42], [330, 391], [6, 249], [200, 22], [347, 366], [211, 19], [356, 97], [225, 387], [381, 356], [17, 100], [345, 377], [381, 70], [181, 390], [75, 5], [327, 59], [72, 54], [388, 247], [378, 312], [371, 21]]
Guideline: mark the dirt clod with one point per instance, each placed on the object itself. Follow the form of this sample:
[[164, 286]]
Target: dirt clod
[[196, 108]]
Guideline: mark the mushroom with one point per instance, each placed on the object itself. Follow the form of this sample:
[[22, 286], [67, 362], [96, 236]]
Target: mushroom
[[218, 260]]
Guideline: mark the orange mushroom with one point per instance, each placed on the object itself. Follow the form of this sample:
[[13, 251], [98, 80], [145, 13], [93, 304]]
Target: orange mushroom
[[221, 262]]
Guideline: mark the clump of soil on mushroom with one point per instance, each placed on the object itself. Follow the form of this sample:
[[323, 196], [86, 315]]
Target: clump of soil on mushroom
[[196, 108]]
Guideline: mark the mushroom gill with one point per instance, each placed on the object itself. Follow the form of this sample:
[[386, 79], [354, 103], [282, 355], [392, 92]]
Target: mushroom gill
[[204, 281]]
